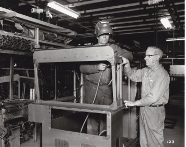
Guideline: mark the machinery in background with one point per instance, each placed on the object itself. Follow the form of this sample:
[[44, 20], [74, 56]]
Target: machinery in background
[[14, 100], [62, 113], [19, 36], [14, 125], [22, 33]]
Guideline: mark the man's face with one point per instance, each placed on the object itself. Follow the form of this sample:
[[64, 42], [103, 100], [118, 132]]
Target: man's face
[[151, 57], [103, 39]]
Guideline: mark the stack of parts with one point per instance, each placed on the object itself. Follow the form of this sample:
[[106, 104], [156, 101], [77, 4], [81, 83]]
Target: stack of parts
[[15, 43]]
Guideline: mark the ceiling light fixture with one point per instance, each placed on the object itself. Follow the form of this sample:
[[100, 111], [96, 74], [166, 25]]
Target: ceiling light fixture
[[175, 39], [166, 23], [59, 7], [152, 2]]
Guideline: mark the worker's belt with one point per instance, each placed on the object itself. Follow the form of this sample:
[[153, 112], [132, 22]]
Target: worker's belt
[[102, 84], [159, 105]]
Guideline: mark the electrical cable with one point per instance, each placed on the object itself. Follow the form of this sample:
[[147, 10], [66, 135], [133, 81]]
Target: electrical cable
[[102, 132], [93, 100]]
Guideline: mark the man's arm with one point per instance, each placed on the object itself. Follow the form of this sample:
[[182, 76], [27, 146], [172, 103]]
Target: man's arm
[[160, 86], [122, 52], [127, 55], [91, 69], [134, 75]]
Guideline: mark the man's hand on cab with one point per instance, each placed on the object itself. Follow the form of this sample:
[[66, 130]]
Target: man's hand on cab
[[125, 61], [102, 66], [129, 103]]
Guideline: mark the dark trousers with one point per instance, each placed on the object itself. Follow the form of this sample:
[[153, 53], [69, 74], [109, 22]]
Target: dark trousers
[[96, 123]]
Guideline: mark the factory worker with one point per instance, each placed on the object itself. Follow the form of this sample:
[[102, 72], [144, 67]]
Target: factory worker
[[92, 72], [154, 95]]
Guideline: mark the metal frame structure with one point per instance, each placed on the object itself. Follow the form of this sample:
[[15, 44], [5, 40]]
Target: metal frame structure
[[19, 79], [62, 136]]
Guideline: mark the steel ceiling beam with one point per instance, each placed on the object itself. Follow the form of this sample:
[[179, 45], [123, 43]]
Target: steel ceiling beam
[[109, 8], [116, 11]]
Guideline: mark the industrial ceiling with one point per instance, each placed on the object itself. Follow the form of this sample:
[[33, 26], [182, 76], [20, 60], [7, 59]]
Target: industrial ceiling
[[132, 20]]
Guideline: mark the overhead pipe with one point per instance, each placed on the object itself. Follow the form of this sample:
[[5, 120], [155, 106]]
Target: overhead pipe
[[141, 32], [82, 3]]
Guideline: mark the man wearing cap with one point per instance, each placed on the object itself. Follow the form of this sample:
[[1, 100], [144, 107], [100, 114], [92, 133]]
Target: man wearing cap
[[154, 95], [92, 73]]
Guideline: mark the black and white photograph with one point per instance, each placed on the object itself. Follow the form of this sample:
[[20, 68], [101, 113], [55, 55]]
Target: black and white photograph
[[92, 73]]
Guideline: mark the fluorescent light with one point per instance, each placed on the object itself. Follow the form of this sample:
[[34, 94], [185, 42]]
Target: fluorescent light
[[175, 39], [63, 9], [166, 23], [151, 2]]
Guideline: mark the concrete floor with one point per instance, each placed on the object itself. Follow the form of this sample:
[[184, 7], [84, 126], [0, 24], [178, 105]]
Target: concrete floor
[[174, 126]]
